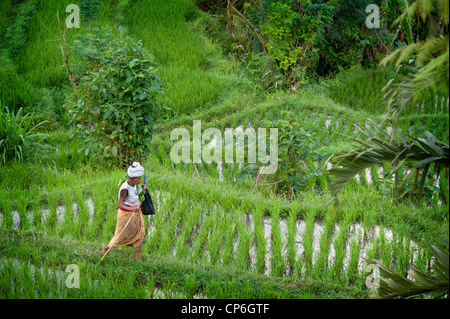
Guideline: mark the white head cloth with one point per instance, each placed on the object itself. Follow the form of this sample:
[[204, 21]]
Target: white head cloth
[[135, 170]]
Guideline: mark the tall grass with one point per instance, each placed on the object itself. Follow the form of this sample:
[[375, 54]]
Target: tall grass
[[18, 141], [161, 25]]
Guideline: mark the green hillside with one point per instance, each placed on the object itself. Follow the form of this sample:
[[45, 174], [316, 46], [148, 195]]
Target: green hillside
[[220, 230]]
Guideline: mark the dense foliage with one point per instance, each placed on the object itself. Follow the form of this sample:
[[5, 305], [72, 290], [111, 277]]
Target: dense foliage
[[118, 100]]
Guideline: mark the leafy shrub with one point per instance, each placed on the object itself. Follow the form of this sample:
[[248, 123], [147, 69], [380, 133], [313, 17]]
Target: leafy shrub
[[291, 40], [116, 104], [17, 137], [297, 149]]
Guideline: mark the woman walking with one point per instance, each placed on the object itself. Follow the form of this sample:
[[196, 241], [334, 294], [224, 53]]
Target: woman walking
[[129, 214]]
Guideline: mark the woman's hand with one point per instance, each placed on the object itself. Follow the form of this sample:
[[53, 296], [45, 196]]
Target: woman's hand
[[144, 187]]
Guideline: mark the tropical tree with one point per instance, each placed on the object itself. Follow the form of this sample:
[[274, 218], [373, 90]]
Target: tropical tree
[[427, 77], [429, 73]]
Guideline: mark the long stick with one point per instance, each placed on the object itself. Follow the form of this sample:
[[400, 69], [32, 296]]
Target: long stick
[[119, 235], [116, 239]]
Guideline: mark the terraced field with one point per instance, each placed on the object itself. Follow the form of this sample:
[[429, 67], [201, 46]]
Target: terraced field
[[213, 235]]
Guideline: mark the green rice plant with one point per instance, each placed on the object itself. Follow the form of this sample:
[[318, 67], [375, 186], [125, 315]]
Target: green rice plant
[[69, 216], [189, 285], [151, 283], [100, 201], [214, 242], [218, 289], [321, 124], [155, 236], [261, 241], [27, 281], [350, 126], [416, 129], [333, 124], [291, 245], [277, 266], [6, 278], [401, 254], [14, 90], [164, 244], [199, 239], [339, 127], [307, 239], [311, 181], [82, 218], [385, 249], [261, 247], [36, 208], [6, 210], [320, 266], [227, 250], [181, 243], [423, 260], [372, 248], [169, 290], [375, 176], [38, 57], [339, 248], [109, 223], [51, 218], [168, 238], [245, 241], [4, 14], [22, 204], [354, 255], [363, 179], [42, 282]]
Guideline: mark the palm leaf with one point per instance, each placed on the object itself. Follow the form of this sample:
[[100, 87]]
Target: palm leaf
[[405, 20], [377, 149], [392, 285]]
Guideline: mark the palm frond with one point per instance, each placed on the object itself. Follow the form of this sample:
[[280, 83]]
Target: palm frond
[[405, 20], [377, 149], [392, 285]]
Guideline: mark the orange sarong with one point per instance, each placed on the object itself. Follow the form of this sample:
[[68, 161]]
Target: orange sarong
[[134, 234]]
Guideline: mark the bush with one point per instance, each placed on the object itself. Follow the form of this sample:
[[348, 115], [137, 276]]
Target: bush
[[116, 104], [297, 154], [18, 140]]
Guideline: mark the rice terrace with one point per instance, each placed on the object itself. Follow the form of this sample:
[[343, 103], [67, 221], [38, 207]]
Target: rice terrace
[[291, 149]]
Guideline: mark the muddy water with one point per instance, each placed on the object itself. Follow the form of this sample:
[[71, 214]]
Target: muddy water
[[59, 290], [356, 231]]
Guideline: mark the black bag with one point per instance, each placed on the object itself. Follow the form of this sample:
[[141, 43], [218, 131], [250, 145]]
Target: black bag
[[147, 207]]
